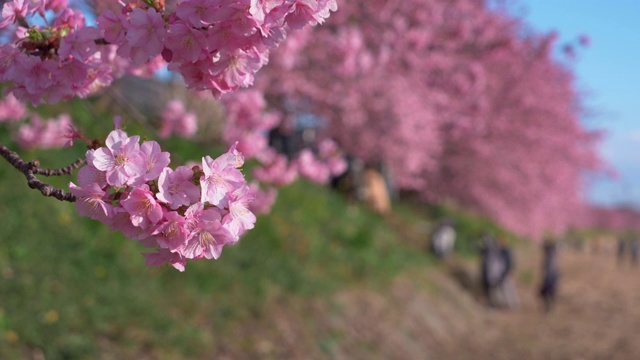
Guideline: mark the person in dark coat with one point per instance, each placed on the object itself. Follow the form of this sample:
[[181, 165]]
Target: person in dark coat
[[634, 249], [488, 249], [622, 247], [495, 269], [506, 286], [550, 275]]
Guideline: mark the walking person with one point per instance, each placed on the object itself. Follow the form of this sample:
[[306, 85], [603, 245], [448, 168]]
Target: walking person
[[506, 285], [443, 239], [550, 275], [634, 249], [492, 268], [622, 247]]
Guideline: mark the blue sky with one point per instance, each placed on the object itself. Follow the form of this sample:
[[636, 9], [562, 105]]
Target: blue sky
[[608, 71]]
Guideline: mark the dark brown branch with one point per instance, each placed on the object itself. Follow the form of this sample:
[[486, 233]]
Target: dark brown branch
[[29, 169], [67, 170]]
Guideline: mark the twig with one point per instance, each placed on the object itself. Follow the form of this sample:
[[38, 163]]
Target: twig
[[29, 169], [67, 170]]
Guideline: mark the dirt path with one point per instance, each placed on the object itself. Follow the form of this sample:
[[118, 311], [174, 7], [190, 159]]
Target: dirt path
[[429, 315], [597, 315]]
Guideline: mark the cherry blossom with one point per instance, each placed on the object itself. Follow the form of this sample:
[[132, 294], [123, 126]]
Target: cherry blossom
[[217, 46], [176, 120], [43, 134], [166, 212], [176, 188], [121, 159], [218, 180]]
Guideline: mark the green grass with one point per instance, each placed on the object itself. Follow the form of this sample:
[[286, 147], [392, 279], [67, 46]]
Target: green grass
[[72, 289], [470, 227]]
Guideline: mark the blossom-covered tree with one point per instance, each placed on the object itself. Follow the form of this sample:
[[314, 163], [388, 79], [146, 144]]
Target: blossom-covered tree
[[458, 99], [248, 120], [462, 102], [51, 53], [523, 158]]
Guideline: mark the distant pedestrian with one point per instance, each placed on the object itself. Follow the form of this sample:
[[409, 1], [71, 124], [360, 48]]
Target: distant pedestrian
[[443, 239], [550, 275], [622, 247], [490, 266], [634, 249], [496, 269], [508, 296]]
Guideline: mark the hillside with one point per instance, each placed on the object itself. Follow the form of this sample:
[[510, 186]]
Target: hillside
[[427, 315], [319, 278]]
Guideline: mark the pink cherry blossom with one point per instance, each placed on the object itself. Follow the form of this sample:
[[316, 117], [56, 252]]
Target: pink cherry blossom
[[278, 172], [113, 26], [91, 202], [11, 109], [51, 55], [332, 156], [145, 35], [171, 233], [310, 12], [69, 18], [88, 175], [310, 167], [233, 157], [154, 159], [80, 44], [198, 12], [186, 43], [140, 203], [207, 240], [164, 256], [176, 188], [121, 221], [176, 120], [219, 180], [240, 218], [121, 159], [480, 128], [216, 45], [264, 199], [13, 10], [43, 134], [56, 5]]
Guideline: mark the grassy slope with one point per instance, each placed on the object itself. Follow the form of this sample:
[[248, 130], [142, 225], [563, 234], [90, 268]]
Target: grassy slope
[[72, 288]]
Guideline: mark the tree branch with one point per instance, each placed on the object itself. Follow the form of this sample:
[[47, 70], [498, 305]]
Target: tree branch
[[67, 170], [29, 169]]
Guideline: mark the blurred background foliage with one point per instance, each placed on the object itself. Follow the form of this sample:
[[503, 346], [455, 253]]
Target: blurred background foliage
[[72, 288]]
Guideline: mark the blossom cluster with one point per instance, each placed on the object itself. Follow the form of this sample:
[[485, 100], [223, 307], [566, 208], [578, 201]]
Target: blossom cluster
[[183, 213], [44, 134], [176, 120], [328, 162], [247, 121], [456, 101], [53, 62], [35, 132], [216, 45], [11, 109]]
